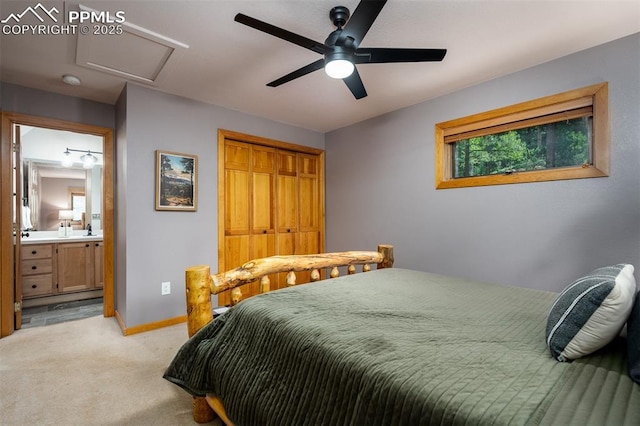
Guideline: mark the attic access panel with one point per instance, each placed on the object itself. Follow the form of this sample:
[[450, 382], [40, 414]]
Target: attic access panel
[[136, 53]]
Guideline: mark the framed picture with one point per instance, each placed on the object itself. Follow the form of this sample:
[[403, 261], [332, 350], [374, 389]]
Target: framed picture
[[176, 181]]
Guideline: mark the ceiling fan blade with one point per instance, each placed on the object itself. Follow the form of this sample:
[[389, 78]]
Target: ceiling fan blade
[[314, 66], [283, 34], [362, 18], [354, 83], [385, 55]]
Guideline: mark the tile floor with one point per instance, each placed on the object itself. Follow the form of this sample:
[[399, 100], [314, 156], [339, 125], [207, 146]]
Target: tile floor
[[61, 312]]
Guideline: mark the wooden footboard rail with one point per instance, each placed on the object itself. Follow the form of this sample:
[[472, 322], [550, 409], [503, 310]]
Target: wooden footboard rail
[[201, 285]]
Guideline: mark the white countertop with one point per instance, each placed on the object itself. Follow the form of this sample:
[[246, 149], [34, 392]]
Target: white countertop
[[46, 237]]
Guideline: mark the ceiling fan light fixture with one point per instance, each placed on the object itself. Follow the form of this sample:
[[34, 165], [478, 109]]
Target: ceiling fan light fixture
[[339, 68], [341, 48]]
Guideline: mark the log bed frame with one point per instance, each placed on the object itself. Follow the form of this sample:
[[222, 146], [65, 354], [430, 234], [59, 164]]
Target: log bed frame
[[200, 285]]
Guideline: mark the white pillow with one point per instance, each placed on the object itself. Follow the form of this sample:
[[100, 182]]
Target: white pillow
[[590, 312]]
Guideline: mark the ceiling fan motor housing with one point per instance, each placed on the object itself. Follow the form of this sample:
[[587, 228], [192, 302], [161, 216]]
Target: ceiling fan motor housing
[[339, 15]]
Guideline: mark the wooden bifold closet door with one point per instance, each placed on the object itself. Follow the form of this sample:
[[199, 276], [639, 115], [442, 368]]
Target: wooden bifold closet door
[[271, 203]]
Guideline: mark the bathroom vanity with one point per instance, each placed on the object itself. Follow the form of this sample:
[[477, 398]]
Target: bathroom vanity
[[52, 266]]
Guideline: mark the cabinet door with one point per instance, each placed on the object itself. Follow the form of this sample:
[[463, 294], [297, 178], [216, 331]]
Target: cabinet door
[[98, 271], [74, 267]]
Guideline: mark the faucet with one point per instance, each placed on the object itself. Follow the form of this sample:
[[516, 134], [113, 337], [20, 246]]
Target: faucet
[[89, 229]]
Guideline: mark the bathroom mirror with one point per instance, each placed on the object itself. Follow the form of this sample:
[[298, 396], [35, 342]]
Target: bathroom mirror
[[49, 186]]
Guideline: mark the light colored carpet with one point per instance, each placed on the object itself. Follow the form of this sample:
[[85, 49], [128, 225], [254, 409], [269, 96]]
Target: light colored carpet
[[86, 372]]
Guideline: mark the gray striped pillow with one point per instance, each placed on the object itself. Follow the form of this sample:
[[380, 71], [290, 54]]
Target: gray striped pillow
[[590, 312]]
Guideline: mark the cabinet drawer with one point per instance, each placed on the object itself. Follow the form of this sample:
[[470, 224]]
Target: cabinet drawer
[[37, 285], [37, 266], [36, 251]]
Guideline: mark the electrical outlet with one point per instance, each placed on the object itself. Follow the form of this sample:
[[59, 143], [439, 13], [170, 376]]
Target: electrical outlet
[[166, 288]]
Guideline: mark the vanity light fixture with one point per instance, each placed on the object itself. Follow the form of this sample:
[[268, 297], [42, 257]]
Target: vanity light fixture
[[67, 161], [88, 159]]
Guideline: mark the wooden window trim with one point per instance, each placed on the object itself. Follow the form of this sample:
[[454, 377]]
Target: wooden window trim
[[593, 97]]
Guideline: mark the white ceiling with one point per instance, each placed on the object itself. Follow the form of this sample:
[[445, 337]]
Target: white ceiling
[[228, 64]]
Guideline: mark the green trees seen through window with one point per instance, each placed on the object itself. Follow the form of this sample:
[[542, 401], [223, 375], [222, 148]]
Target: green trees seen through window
[[557, 137], [560, 144]]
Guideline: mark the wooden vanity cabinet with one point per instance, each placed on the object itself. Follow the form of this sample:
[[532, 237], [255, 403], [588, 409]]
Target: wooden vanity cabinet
[[58, 268], [38, 270]]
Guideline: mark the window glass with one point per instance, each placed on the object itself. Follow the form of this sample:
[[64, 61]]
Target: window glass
[[563, 136], [560, 144], [78, 206]]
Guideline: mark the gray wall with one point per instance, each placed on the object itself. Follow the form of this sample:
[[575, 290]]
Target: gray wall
[[156, 246], [52, 105], [151, 246], [380, 183], [120, 207]]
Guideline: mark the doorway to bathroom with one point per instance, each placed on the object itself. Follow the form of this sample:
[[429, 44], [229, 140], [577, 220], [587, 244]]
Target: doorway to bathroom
[[51, 266]]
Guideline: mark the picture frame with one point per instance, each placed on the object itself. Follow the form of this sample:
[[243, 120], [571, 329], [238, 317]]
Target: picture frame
[[176, 181]]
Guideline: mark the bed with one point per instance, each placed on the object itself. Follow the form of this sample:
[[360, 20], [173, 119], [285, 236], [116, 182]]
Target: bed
[[388, 346]]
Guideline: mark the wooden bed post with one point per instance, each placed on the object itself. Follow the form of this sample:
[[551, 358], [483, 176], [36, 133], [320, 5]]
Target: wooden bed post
[[387, 254], [199, 313]]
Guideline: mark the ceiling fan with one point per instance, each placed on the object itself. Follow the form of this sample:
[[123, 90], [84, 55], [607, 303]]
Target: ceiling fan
[[341, 49]]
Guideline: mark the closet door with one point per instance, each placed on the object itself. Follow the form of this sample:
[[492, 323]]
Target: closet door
[[270, 203], [298, 212], [263, 202], [308, 236], [287, 207], [308, 241], [237, 197], [249, 206]]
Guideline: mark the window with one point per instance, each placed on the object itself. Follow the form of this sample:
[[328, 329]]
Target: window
[[78, 205], [564, 136]]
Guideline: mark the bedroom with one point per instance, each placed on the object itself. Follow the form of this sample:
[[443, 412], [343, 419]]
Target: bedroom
[[540, 235], [507, 241]]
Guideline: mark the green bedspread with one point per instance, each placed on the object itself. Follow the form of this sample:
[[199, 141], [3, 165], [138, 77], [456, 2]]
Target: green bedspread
[[400, 347]]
